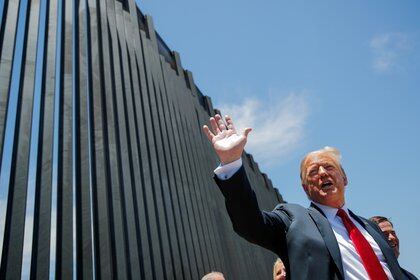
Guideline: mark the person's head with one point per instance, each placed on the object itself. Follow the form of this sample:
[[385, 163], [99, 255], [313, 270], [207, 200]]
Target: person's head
[[214, 275], [323, 178], [279, 270], [388, 229]]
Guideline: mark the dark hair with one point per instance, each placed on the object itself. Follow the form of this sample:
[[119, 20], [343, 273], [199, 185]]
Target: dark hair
[[380, 219]]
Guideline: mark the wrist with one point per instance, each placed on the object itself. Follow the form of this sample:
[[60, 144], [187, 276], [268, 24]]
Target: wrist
[[224, 161]]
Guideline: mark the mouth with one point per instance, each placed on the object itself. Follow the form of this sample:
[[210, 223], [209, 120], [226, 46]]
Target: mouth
[[326, 185]]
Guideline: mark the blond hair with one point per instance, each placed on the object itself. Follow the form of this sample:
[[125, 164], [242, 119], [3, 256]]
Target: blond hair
[[212, 275], [277, 262]]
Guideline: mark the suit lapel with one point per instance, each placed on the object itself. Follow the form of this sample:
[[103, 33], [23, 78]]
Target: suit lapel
[[328, 235], [385, 248]]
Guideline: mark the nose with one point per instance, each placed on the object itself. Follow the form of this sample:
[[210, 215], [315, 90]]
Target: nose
[[322, 171], [392, 237]]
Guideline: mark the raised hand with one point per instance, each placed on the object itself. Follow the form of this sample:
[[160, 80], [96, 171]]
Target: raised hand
[[227, 143]]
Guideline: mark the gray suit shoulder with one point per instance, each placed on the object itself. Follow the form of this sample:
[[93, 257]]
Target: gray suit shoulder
[[409, 275], [290, 208]]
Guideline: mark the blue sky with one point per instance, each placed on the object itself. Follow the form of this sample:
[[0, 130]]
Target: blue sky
[[315, 74]]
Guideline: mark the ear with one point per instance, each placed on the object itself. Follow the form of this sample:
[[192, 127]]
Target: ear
[[344, 176], [305, 188], [345, 180]]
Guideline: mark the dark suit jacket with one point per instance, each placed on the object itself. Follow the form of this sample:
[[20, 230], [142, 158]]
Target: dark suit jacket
[[301, 237], [409, 275]]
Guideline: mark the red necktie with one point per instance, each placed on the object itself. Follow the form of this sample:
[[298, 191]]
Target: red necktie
[[369, 259]]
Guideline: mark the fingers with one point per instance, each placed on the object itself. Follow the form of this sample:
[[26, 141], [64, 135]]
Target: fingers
[[229, 123], [218, 125], [220, 122], [208, 133], [247, 131], [214, 126]]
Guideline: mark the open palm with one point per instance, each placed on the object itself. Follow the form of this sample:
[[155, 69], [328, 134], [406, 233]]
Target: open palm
[[227, 143]]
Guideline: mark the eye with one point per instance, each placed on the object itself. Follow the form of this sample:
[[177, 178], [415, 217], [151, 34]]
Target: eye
[[329, 167], [313, 172]]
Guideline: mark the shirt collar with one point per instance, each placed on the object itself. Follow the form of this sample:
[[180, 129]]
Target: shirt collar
[[330, 212]]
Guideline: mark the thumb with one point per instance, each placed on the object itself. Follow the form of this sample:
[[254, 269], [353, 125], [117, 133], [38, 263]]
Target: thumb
[[247, 131]]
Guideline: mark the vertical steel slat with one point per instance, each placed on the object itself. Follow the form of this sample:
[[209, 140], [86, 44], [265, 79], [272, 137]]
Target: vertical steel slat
[[11, 118], [56, 141], [6, 61], [75, 132], [35, 141], [3, 4], [89, 129]]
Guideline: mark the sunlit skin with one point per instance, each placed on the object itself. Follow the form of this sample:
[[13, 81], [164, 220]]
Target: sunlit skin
[[219, 277], [279, 271], [227, 143], [324, 180], [392, 237]]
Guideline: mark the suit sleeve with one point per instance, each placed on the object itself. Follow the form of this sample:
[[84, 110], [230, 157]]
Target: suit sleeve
[[409, 275], [267, 229]]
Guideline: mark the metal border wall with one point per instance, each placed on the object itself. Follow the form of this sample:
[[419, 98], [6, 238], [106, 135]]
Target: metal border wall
[[104, 171]]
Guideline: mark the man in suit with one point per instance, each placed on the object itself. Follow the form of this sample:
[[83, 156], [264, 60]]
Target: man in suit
[[387, 229], [324, 241]]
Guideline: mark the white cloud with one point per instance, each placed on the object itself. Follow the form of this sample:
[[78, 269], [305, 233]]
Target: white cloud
[[278, 125], [387, 49]]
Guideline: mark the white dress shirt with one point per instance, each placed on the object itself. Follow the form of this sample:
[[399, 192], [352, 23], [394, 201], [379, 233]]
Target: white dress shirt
[[352, 264], [224, 172]]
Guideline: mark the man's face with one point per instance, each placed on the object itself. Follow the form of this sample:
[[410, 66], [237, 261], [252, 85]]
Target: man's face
[[392, 237], [323, 180], [279, 272]]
